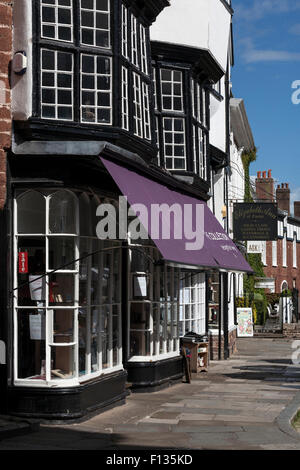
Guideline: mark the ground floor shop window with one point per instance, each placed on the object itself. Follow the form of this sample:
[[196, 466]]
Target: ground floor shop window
[[192, 303], [67, 290], [153, 307]]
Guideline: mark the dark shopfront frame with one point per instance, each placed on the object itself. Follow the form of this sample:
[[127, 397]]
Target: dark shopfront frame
[[32, 172], [66, 402], [41, 171]]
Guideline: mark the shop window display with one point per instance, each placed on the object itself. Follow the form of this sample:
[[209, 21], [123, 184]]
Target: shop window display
[[153, 305], [67, 290]]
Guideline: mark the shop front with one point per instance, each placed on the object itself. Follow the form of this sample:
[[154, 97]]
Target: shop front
[[67, 305], [168, 286], [89, 314]]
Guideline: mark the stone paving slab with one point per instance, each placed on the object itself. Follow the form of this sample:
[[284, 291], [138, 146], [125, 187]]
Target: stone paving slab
[[238, 404]]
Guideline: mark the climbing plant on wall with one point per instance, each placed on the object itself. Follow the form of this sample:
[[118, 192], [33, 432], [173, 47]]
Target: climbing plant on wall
[[253, 295]]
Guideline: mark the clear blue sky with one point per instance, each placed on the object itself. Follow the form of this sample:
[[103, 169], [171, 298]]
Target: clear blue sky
[[267, 62]]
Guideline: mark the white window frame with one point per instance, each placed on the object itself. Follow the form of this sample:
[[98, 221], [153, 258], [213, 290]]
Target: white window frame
[[274, 253], [146, 111], [193, 303], [284, 251], [172, 144], [295, 251], [143, 45], [56, 6], [264, 253], [125, 104], [125, 31], [56, 88], [134, 41], [172, 96], [49, 309], [170, 347], [96, 90], [95, 29]]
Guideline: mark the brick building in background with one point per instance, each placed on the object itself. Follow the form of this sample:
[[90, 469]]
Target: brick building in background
[[5, 95], [281, 257]]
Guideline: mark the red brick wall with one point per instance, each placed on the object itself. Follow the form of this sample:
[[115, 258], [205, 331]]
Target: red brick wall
[[214, 342], [279, 272], [5, 95]]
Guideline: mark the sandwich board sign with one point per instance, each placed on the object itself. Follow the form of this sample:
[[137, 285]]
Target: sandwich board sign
[[245, 323]]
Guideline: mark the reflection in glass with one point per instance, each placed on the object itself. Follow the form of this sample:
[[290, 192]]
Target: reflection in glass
[[61, 289], [31, 344], [63, 328], [31, 213], [62, 217], [82, 341], [94, 339], [116, 334], [85, 222], [62, 362], [105, 320], [140, 326], [61, 253]]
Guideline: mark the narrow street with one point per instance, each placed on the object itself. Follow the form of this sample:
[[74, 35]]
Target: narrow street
[[242, 403]]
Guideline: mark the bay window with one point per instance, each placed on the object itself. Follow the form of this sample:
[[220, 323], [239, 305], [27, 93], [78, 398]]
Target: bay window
[[181, 117], [67, 290], [192, 303], [86, 64], [135, 87], [200, 131]]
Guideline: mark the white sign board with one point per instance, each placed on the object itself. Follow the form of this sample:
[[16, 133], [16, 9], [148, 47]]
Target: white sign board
[[37, 326], [245, 323], [254, 247]]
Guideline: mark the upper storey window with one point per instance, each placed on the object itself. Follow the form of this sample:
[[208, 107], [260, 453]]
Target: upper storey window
[[181, 119], [95, 22], [171, 90], [136, 81], [76, 83], [57, 20], [78, 76]]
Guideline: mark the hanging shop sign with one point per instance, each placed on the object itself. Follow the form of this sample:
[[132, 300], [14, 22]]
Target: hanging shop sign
[[255, 221], [23, 262], [245, 323]]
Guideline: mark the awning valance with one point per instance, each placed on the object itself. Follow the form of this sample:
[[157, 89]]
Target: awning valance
[[192, 217]]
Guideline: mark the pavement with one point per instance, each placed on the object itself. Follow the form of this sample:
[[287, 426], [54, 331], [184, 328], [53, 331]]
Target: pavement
[[245, 403]]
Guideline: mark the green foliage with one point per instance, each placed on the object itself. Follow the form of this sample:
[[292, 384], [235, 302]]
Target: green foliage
[[247, 158], [254, 297], [273, 298], [286, 293]]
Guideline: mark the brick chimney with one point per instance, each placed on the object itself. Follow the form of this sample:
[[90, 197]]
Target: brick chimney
[[297, 209], [283, 197], [264, 186]]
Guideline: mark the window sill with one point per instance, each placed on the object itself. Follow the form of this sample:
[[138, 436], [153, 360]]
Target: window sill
[[159, 357], [61, 383]]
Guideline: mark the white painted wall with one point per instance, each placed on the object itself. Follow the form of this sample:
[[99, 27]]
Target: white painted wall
[[217, 135], [22, 41], [236, 180], [196, 23], [219, 195]]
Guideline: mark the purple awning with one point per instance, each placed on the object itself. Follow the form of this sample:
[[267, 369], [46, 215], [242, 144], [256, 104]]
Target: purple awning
[[218, 250]]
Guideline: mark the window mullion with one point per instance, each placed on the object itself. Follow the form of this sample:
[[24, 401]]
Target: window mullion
[[101, 312], [110, 323], [49, 313]]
